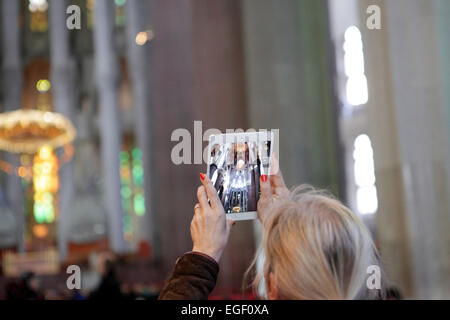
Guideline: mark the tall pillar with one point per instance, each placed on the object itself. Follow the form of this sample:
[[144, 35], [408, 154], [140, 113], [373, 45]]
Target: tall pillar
[[408, 125], [63, 90], [289, 72], [138, 57], [442, 14], [107, 82], [12, 99], [290, 87], [198, 62]]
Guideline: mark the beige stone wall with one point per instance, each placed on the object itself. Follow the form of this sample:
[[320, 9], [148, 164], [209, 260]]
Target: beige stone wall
[[409, 131]]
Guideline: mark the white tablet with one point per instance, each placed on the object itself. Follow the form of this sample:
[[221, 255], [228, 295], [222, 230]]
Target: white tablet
[[236, 162]]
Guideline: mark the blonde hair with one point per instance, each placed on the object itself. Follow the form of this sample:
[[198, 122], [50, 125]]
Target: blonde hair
[[316, 248]]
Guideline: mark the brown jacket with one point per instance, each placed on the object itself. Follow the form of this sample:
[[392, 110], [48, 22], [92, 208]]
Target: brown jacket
[[193, 278]]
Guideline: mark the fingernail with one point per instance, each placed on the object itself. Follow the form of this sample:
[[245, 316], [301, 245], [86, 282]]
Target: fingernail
[[263, 178], [202, 176]]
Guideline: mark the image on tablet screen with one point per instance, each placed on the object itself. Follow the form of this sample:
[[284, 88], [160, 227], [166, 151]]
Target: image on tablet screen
[[235, 168]]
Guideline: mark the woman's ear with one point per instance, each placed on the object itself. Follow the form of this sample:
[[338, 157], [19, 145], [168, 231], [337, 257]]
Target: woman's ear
[[272, 288]]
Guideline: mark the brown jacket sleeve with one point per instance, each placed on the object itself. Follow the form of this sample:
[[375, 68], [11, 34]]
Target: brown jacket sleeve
[[193, 278]]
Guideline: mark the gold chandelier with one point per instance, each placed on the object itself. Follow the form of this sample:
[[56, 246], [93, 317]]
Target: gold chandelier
[[27, 130]]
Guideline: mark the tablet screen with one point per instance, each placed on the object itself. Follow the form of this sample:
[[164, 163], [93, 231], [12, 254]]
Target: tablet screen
[[236, 163]]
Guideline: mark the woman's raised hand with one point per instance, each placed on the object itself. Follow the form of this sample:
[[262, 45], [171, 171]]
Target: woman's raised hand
[[273, 190], [209, 227]]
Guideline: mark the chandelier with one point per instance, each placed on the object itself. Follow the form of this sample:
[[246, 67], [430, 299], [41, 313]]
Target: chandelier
[[26, 131]]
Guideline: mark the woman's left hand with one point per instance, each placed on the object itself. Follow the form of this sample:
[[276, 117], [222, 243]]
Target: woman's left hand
[[273, 190], [209, 227]]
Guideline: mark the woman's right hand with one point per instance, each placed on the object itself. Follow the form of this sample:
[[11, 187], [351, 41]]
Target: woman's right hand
[[209, 227], [273, 190]]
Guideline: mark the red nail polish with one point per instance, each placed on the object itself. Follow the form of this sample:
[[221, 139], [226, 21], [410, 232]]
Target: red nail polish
[[263, 178], [202, 176]]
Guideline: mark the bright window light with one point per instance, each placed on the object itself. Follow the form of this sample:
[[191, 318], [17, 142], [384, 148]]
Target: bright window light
[[366, 199], [366, 193], [38, 5], [356, 87], [356, 90]]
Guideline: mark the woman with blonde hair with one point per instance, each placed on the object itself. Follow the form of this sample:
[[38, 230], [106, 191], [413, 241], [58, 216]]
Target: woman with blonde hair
[[313, 246]]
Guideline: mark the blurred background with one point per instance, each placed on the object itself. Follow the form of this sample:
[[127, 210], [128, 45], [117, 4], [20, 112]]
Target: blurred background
[[87, 117]]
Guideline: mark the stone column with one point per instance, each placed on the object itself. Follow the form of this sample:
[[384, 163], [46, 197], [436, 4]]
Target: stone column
[[139, 57], [408, 124], [442, 14], [12, 99], [106, 64], [198, 68], [290, 86], [63, 91]]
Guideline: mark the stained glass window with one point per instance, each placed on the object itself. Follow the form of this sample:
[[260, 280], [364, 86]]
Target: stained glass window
[[132, 188]]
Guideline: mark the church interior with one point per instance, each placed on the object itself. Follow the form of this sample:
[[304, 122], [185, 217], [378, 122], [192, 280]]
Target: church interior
[[92, 91]]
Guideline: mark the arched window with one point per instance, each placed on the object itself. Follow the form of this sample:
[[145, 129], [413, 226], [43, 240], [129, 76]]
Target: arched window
[[353, 86], [356, 86], [364, 171]]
